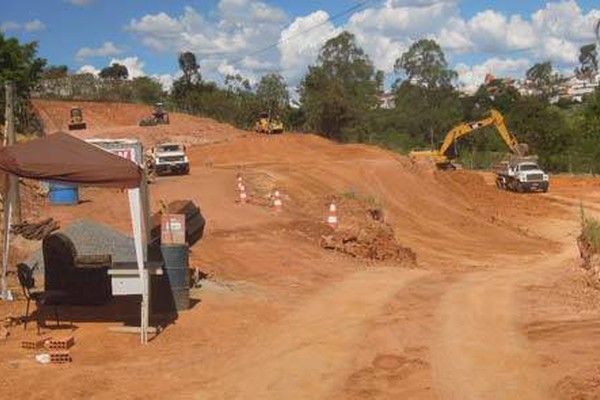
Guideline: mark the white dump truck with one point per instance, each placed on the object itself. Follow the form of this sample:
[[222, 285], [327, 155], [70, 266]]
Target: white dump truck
[[521, 174], [169, 158]]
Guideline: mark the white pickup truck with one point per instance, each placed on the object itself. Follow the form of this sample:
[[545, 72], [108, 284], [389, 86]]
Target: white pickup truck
[[169, 158], [521, 175]]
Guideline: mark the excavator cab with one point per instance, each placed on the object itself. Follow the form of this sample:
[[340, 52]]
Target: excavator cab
[[76, 122]]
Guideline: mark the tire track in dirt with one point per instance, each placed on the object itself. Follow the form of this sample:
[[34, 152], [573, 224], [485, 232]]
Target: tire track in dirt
[[310, 353], [481, 351]]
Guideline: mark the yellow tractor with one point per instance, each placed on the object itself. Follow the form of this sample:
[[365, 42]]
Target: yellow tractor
[[77, 122], [267, 125], [159, 116]]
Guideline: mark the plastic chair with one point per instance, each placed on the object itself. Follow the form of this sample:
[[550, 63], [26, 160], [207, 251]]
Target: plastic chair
[[41, 298]]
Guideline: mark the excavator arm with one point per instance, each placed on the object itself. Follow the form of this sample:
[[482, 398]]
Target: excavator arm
[[496, 119], [462, 130]]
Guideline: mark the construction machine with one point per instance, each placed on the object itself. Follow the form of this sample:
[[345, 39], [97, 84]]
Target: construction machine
[[268, 125], [76, 122], [159, 116], [443, 160]]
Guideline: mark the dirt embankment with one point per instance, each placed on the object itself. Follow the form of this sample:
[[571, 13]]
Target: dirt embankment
[[319, 323]]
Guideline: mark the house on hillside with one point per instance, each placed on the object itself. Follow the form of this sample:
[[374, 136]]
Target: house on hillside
[[574, 88], [387, 101]]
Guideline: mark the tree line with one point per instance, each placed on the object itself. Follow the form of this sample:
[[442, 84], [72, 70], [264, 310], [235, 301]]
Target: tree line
[[340, 98]]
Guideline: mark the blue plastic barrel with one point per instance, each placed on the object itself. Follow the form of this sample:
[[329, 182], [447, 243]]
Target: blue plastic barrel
[[63, 194]]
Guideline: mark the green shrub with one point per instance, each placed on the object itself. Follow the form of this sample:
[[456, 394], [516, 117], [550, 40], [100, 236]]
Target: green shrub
[[590, 230]]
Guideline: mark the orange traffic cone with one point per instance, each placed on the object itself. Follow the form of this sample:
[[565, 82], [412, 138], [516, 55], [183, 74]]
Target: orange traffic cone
[[277, 203], [243, 195], [332, 219]]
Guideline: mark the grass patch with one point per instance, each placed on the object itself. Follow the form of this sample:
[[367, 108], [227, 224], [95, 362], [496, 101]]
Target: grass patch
[[590, 230]]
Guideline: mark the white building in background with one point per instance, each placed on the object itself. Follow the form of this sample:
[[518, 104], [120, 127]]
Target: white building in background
[[575, 89], [387, 101]]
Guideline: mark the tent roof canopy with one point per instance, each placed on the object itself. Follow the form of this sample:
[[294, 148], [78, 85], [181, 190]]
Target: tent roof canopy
[[64, 158]]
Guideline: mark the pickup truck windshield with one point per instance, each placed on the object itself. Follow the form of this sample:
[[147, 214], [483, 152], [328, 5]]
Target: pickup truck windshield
[[169, 148], [528, 167]]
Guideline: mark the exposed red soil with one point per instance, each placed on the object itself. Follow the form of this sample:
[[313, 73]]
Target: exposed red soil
[[280, 317]]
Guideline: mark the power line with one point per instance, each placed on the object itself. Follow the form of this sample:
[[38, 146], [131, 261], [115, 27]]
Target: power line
[[359, 6]]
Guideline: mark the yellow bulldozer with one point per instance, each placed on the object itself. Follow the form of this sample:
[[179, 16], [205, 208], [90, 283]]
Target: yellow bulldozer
[[443, 160], [76, 122], [268, 125]]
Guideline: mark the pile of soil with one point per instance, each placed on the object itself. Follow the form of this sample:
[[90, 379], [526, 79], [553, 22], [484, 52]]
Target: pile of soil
[[373, 240]]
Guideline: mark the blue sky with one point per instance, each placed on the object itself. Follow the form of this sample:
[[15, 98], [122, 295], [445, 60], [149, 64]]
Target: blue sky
[[479, 37]]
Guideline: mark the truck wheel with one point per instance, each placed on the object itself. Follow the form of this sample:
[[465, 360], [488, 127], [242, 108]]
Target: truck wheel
[[519, 187]]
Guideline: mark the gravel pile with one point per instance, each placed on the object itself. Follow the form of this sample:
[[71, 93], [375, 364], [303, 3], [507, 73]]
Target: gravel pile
[[92, 238]]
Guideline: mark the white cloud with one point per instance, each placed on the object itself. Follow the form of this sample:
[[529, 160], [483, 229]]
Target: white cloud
[[31, 26], [471, 77], [80, 2], [108, 49], [34, 26], [10, 26], [301, 41], [553, 33], [166, 80], [231, 38], [89, 69], [135, 67]]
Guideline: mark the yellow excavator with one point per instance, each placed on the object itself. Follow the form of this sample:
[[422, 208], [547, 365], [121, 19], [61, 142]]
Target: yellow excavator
[[443, 160]]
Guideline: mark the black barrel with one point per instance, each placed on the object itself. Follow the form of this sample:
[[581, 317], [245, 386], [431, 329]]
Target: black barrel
[[176, 258]]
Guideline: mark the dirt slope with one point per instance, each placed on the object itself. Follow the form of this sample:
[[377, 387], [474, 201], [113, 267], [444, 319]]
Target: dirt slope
[[281, 317]]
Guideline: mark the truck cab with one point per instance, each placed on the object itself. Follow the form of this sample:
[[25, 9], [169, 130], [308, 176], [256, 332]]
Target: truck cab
[[523, 176], [170, 158]]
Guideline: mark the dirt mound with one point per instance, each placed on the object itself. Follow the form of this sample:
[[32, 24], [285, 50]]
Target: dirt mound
[[374, 241], [364, 234], [121, 120]]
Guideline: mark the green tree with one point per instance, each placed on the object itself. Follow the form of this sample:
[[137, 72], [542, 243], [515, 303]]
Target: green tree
[[543, 79], [272, 93], [424, 64], [189, 66], [146, 90], [115, 71], [19, 63], [588, 60], [55, 72], [497, 94], [587, 125], [544, 128], [244, 104], [338, 91], [426, 98]]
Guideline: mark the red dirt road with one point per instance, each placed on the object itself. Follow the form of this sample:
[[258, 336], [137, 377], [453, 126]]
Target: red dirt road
[[496, 308]]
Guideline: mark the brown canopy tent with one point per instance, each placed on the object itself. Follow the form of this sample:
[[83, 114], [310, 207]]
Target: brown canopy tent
[[63, 158]]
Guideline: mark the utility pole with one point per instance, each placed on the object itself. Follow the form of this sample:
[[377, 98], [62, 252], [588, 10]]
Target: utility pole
[[10, 138]]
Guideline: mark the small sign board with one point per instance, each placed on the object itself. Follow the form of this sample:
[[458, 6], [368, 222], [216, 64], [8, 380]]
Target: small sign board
[[172, 229]]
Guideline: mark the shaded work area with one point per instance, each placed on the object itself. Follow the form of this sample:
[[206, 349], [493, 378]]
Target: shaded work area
[[75, 279]]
